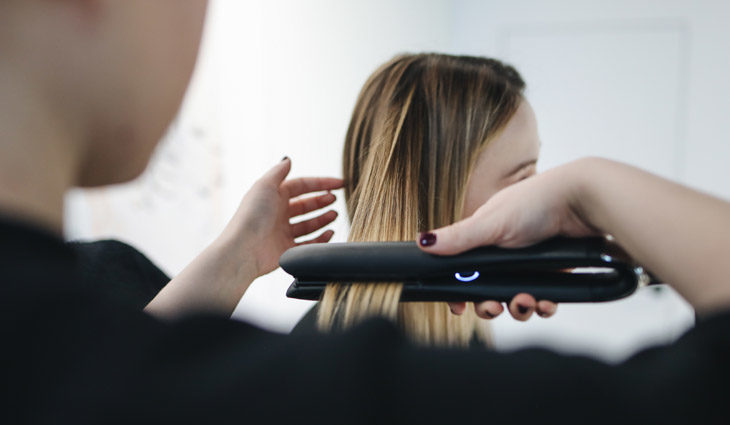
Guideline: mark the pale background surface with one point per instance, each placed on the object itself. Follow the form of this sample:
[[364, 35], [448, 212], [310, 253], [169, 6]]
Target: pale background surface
[[639, 81]]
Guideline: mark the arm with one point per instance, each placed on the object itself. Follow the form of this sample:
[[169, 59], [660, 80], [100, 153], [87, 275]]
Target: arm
[[250, 245], [679, 234]]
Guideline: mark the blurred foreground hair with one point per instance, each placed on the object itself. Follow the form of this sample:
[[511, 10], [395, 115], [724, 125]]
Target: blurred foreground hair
[[418, 127]]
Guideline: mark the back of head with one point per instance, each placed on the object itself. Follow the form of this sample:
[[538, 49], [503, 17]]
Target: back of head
[[417, 129]]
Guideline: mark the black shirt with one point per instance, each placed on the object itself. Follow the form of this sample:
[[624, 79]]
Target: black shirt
[[120, 271], [73, 354]]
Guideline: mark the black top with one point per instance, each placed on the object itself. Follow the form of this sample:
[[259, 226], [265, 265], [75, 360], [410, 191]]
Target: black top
[[120, 270], [72, 354]]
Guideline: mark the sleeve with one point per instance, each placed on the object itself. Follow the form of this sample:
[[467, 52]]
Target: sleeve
[[120, 270], [308, 322]]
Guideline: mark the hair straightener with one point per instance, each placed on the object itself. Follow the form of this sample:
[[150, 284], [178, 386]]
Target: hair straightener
[[559, 270]]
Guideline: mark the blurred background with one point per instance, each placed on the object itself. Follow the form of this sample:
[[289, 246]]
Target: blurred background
[[640, 81]]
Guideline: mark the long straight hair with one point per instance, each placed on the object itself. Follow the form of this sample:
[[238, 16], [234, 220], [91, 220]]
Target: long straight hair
[[418, 127]]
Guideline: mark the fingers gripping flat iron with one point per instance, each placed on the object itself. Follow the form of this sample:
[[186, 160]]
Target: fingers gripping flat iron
[[559, 269]]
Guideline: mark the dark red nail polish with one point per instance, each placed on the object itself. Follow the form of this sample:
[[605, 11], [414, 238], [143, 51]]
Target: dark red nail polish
[[490, 315], [284, 159], [522, 309], [427, 239]]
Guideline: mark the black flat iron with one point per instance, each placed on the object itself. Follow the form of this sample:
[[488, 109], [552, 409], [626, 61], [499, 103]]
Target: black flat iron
[[559, 270]]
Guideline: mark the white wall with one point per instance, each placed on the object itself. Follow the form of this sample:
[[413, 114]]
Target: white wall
[[642, 81]]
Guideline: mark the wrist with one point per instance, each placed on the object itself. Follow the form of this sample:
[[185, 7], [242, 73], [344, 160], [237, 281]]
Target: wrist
[[234, 262], [583, 182]]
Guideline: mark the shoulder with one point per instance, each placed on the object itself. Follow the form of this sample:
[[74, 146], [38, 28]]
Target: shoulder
[[119, 269]]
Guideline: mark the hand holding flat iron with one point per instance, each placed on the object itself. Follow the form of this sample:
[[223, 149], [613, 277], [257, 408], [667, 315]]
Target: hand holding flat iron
[[680, 234], [525, 213]]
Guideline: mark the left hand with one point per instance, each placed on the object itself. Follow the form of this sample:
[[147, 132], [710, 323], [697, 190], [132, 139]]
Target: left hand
[[519, 215], [262, 226]]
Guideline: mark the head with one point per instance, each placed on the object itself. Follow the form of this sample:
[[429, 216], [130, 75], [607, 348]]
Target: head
[[431, 137], [114, 72]]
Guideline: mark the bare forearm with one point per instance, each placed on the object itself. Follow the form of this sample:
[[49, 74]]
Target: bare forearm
[[678, 233], [213, 283]]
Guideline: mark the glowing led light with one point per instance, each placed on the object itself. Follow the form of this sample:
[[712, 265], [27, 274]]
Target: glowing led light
[[461, 278]]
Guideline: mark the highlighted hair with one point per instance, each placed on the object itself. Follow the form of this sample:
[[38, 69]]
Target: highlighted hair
[[418, 127]]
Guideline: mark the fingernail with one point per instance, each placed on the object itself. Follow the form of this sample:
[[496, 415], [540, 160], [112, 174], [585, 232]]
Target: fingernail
[[284, 159], [452, 310], [522, 309], [542, 314], [490, 315], [427, 239]]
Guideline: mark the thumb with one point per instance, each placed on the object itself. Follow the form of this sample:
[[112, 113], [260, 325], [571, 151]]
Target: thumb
[[461, 236], [278, 172]]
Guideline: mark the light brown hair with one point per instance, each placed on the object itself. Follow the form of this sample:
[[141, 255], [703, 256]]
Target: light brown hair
[[418, 127]]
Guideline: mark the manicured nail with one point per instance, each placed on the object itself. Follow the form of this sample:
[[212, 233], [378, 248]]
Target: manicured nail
[[542, 314], [452, 310], [490, 315], [427, 239], [284, 159], [522, 309]]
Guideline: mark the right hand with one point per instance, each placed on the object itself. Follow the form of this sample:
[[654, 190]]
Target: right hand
[[522, 214]]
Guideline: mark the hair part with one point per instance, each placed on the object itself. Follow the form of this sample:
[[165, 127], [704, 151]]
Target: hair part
[[418, 127]]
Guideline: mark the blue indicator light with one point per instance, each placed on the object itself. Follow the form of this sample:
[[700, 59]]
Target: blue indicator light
[[461, 278]]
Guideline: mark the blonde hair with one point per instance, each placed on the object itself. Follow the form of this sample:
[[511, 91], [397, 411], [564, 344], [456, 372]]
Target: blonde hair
[[418, 126]]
